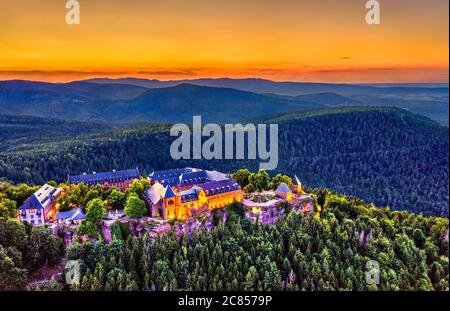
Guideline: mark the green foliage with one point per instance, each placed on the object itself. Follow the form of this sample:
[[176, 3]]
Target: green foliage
[[13, 233], [217, 217], [116, 199], [242, 176], [8, 208], [73, 196], [134, 207], [236, 215], [260, 180], [88, 228], [19, 193], [236, 208], [91, 195], [279, 179], [12, 276], [125, 229], [46, 286], [260, 198], [249, 188], [138, 186], [43, 247], [52, 183], [24, 249], [297, 253], [116, 232], [15, 131], [95, 210]]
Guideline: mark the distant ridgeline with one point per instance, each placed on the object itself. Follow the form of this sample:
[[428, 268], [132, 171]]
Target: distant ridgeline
[[218, 100], [384, 155]]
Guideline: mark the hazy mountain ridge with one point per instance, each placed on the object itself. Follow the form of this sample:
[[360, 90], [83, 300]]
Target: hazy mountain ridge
[[282, 88], [92, 102], [219, 100], [179, 103], [430, 100]]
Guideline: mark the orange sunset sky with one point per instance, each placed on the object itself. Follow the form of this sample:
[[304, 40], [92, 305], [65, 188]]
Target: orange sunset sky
[[320, 40]]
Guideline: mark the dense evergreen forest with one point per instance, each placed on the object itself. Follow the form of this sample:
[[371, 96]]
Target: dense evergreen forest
[[383, 155], [24, 130], [23, 251], [300, 252], [330, 249]]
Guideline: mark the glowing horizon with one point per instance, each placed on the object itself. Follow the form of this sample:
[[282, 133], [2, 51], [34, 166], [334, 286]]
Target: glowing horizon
[[284, 40]]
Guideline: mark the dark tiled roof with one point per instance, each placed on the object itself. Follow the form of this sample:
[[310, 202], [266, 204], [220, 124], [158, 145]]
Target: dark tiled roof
[[31, 203], [189, 198], [169, 193], [114, 176], [168, 174], [75, 214], [190, 195], [218, 187], [40, 198], [199, 177], [170, 182]]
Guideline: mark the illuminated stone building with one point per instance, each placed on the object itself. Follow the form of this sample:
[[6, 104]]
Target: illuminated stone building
[[183, 193]]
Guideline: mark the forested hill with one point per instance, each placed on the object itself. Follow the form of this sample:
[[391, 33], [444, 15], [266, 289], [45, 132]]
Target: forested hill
[[384, 155], [18, 130], [387, 156], [329, 253]]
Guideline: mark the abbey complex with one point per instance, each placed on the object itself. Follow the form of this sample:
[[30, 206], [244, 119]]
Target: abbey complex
[[183, 193], [175, 194]]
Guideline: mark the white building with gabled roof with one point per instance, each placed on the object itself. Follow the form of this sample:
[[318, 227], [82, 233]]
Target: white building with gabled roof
[[39, 208]]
